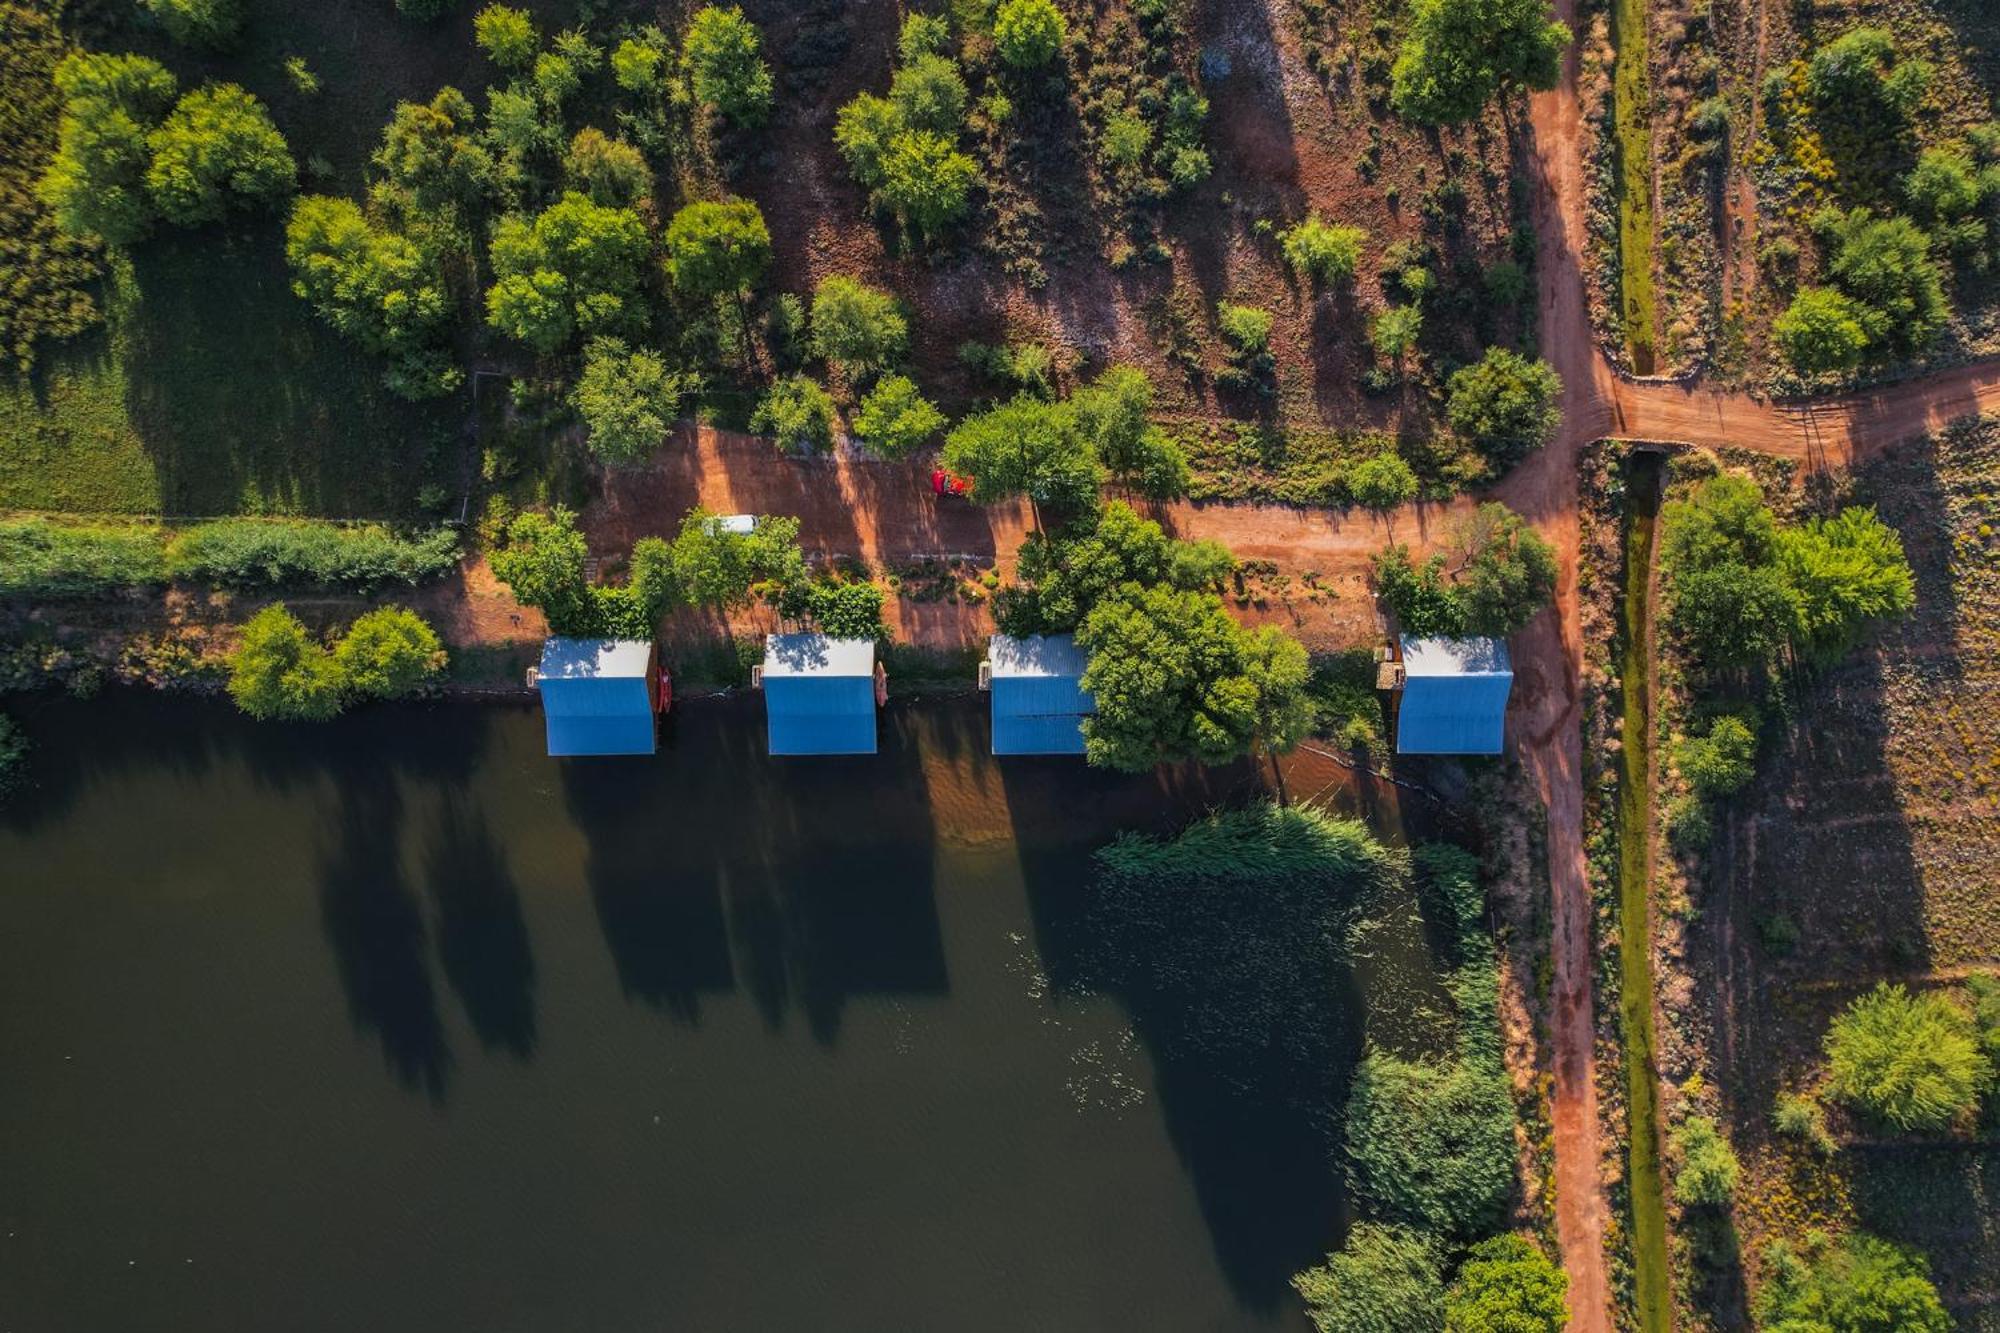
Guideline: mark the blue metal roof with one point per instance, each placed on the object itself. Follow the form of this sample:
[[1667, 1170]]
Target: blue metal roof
[[823, 733], [1454, 696], [1039, 702], [819, 694], [595, 696], [1049, 734]]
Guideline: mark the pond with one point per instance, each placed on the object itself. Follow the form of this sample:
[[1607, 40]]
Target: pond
[[398, 1024]]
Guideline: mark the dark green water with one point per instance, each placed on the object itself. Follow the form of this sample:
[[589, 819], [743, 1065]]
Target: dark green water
[[397, 1024]]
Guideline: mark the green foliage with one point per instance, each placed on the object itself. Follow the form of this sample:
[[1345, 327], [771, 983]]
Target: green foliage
[[859, 328], [431, 156], [1028, 33], [376, 287], [1319, 252], [1061, 578], [922, 35], [724, 56], [210, 23], [1448, 886], [1024, 447], [1393, 334], [1505, 404], [895, 419], [628, 399], [928, 94], [1844, 572], [1502, 572], [1860, 72], [217, 150], [1821, 332], [612, 172], [840, 610], [718, 248], [388, 653], [1798, 1116], [1425, 605], [1913, 1061], [1706, 1177], [1111, 416], [638, 65], [1726, 599], [716, 568], [1431, 1143], [1720, 761], [278, 671], [424, 11], [1885, 264], [1175, 677], [13, 757], [1859, 1284], [575, 269], [1383, 482], [40, 559], [902, 148], [1181, 157], [1457, 54], [1345, 704], [301, 552], [507, 36], [1985, 991], [1507, 1285], [1944, 185], [96, 183], [1247, 327], [541, 559], [797, 413], [1384, 1280], [925, 182]]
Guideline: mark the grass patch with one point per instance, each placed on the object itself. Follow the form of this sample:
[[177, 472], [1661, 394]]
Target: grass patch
[[1630, 100]]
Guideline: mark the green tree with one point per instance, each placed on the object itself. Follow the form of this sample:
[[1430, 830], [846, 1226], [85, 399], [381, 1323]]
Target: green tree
[[1911, 1060], [507, 36], [1276, 666], [859, 328], [1945, 184], [1024, 447], [1507, 1285], [1885, 264], [895, 419], [1844, 572], [628, 399], [1060, 579], [431, 155], [1382, 483], [1028, 33], [926, 182], [1393, 335], [718, 248], [373, 286], [717, 568], [96, 184], [1425, 605], [1726, 598], [638, 65], [1320, 252], [575, 269], [1858, 1284], [1112, 416], [797, 413], [1457, 54], [1506, 571], [923, 35], [841, 610], [724, 56], [1860, 72], [1506, 404], [612, 172], [928, 94], [862, 132], [1706, 1176], [542, 560], [388, 653], [215, 151], [278, 671], [1821, 333], [1721, 760], [1384, 1280], [1431, 1143], [210, 23], [1168, 673]]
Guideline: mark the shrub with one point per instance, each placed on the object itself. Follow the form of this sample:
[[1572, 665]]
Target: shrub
[[210, 23], [859, 328], [797, 413], [1448, 887], [923, 35], [507, 36], [278, 672], [1383, 482], [388, 653], [1318, 252], [1457, 54], [1885, 264], [1507, 1285], [724, 56], [839, 610], [1393, 334], [1911, 1060], [250, 552], [1505, 404], [925, 182], [40, 559], [1028, 33], [628, 399], [1247, 328], [1860, 72], [1719, 762], [1858, 1284], [1844, 572], [895, 419], [718, 248], [1707, 1174], [1821, 333], [928, 94], [1431, 1144], [639, 65], [1801, 1117], [217, 150], [1384, 1280]]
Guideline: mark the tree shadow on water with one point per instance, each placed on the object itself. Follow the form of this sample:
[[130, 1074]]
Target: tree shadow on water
[[482, 940]]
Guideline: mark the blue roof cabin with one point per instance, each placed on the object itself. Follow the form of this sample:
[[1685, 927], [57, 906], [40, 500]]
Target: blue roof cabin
[[599, 695], [1454, 696], [1039, 702], [820, 694]]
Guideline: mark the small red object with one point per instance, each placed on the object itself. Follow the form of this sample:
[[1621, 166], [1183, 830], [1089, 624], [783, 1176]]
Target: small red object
[[937, 481]]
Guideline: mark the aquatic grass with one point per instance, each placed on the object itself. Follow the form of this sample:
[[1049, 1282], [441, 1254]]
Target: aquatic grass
[[1630, 96]]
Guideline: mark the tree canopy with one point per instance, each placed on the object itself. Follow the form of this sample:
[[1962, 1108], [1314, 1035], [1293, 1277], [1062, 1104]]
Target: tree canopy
[[375, 286], [573, 269], [1494, 575], [217, 150], [718, 248], [1506, 404], [895, 419], [628, 399], [1024, 447], [1913, 1060], [1028, 33], [1457, 54], [1507, 1285], [280, 672], [96, 184], [857, 327], [724, 55], [1383, 1280], [388, 653], [1859, 1284]]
